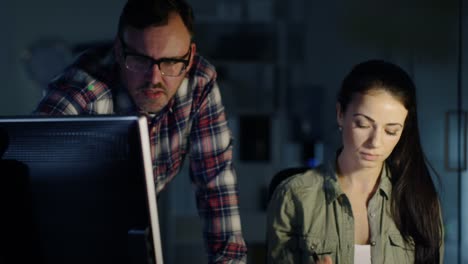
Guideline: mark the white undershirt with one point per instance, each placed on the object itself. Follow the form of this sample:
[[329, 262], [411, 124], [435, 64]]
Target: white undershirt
[[362, 254]]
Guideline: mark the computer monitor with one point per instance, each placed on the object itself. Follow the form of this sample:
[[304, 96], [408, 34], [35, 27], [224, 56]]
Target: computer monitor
[[77, 189]]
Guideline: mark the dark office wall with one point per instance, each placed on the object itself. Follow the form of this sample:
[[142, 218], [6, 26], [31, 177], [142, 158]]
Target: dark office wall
[[27, 23], [6, 57]]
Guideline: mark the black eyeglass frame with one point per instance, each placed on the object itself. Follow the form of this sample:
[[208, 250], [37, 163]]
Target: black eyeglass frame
[[153, 61]]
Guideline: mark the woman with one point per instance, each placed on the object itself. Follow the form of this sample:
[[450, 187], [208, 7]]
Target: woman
[[376, 203]]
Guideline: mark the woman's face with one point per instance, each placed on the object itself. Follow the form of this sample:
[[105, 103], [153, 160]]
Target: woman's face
[[371, 128]]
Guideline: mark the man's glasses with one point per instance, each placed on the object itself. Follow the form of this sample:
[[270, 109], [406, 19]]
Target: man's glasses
[[137, 62]]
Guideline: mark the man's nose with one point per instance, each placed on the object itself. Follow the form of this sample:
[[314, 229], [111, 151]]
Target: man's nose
[[154, 74]]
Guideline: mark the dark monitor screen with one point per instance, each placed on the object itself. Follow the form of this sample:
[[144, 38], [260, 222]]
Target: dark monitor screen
[[73, 190]]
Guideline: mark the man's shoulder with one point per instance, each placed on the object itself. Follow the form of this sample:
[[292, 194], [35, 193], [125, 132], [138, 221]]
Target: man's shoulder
[[201, 79], [77, 81], [202, 68], [89, 74]]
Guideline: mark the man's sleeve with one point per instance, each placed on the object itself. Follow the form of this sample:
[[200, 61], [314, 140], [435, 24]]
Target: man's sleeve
[[215, 179]]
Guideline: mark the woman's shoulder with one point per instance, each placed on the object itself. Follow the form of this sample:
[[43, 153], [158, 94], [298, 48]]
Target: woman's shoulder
[[309, 181]]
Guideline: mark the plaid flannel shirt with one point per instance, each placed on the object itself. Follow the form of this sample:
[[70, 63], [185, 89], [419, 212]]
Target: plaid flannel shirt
[[194, 123]]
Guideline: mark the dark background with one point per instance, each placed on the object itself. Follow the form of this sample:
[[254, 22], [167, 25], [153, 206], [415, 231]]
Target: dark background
[[280, 64]]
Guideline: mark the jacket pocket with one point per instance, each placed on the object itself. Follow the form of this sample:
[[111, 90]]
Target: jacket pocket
[[401, 250], [314, 245]]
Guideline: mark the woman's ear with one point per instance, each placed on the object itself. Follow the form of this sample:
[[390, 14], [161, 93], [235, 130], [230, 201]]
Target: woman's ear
[[339, 115]]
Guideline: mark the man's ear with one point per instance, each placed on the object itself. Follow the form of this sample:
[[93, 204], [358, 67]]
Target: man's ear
[[339, 115], [193, 46], [117, 48]]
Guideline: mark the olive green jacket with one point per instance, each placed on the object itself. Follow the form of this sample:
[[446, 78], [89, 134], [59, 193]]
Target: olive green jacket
[[310, 213]]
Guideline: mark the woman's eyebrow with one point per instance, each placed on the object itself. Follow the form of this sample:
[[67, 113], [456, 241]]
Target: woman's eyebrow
[[365, 116]]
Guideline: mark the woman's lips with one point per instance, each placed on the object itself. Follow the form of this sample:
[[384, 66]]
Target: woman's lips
[[370, 157]]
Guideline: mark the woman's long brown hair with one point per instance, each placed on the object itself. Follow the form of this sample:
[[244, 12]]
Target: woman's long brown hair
[[415, 204]]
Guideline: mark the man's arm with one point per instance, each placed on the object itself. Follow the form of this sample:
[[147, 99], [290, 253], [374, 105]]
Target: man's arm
[[213, 174]]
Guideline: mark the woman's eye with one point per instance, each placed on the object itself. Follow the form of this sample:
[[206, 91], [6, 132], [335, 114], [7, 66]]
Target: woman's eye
[[362, 125], [391, 133]]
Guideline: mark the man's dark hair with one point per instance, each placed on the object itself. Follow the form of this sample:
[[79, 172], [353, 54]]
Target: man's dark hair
[[141, 14]]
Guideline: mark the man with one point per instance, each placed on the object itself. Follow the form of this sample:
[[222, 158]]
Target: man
[[153, 70]]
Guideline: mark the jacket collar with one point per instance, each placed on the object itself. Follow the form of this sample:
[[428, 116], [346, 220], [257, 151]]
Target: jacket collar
[[333, 190]]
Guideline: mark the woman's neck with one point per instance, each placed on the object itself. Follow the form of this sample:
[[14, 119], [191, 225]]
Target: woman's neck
[[357, 179]]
